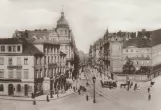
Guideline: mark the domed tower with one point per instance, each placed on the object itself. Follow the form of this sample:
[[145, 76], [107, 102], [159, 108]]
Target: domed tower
[[62, 26]]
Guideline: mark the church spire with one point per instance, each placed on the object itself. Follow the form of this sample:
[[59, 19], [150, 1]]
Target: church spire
[[62, 12]]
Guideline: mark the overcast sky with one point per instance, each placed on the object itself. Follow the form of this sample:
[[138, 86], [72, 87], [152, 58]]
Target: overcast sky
[[87, 18]]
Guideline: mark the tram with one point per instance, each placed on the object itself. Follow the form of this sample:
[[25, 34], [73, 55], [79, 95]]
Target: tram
[[108, 84]]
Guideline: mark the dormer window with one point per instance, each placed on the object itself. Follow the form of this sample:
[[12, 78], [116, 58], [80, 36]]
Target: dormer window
[[9, 48], [18, 48], [2, 48], [14, 48]]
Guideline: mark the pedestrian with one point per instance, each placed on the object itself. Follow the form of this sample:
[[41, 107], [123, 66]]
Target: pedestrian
[[34, 102], [135, 86], [74, 88], [149, 97], [47, 98], [79, 91], [87, 97], [148, 89], [32, 95]]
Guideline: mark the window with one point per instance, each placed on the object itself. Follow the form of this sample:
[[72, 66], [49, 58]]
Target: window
[[18, 60], [14, 48], [18, 48], [10, 73], [1, 60], [1, 87], [19, 76], [1, 73], [2, 48], [37, 60], [131, 50], [65, 31], [45, 72], [126, 50], [137, 62], [18, 88], [48, 59], [26, 74], [44, 59], [9, 48], [25, 61], [10, 61]]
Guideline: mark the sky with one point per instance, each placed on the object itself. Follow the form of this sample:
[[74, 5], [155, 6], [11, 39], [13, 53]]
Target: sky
[[88, 19]]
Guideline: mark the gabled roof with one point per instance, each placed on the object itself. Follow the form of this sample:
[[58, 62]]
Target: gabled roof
[[10, 41], [28, 47], [156, 37], [138, 42]]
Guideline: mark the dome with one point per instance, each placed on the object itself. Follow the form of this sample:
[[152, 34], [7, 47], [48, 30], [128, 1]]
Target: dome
[[62, 22], [156, 37]]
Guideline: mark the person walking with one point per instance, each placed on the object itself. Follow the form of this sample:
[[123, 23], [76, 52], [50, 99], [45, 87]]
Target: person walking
[[34, 102], [79, 91], [149, 97], [47, 98], [148, 89], [135, 86]]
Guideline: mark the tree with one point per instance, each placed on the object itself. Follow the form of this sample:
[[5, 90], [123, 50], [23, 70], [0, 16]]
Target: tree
[[76, 63], [129, 68]]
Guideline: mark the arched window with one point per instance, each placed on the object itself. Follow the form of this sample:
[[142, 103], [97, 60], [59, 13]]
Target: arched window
[[1, 87], [18, 88]]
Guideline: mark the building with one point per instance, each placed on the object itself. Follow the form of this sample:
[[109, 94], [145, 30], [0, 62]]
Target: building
[[53, 62], [62, 35], [83, 57], [18, 65], [116, 44], [156, 49], [139, 51]]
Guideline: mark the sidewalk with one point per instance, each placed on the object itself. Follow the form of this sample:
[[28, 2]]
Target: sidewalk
[[39, 98]]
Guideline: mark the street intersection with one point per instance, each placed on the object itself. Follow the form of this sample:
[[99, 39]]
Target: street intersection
[[112, 99]]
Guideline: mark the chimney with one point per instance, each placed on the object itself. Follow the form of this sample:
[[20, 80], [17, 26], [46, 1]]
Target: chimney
[[143, 30]]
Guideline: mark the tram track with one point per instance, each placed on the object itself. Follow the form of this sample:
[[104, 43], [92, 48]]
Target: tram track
[[118, 101]]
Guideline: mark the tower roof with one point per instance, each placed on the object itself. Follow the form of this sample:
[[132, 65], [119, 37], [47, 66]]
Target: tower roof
[[62, 22], [156, 37]]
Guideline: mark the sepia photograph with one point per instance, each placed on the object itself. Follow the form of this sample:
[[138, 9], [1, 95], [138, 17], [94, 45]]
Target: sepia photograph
[[80, 54]]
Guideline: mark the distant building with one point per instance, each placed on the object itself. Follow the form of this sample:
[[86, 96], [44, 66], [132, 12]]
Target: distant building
[[139, 51]]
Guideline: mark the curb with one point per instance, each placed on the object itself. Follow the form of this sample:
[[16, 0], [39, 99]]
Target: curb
[[38, 100]]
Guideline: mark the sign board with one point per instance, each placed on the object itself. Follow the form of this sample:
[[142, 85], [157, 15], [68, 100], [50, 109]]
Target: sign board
[[14, 67]]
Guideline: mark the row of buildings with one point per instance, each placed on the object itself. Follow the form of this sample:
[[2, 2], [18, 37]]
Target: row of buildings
[[110, 52], [34, 61]]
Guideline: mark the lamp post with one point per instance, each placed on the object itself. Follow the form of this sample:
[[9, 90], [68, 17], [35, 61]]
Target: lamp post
[[94, 80]]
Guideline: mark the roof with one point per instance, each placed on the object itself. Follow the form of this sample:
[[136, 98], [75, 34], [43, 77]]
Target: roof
[[10, 41], [138, 42], [45, 41], [28, 47], [62, 22], [156, 37]]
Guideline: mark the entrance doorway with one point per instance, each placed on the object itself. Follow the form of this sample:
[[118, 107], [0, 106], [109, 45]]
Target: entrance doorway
[[26, 90], [10, 89]]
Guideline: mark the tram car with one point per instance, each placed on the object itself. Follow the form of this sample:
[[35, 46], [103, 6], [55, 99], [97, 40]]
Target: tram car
[[108, 84]]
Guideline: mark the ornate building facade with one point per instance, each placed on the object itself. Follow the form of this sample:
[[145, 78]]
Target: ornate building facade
[[62, 35]]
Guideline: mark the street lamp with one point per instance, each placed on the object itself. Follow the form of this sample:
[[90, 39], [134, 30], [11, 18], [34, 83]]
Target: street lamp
[[94, 80]]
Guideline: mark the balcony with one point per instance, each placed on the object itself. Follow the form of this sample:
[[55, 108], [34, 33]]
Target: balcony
[[139, 58], [52, 65], [64, 41]]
